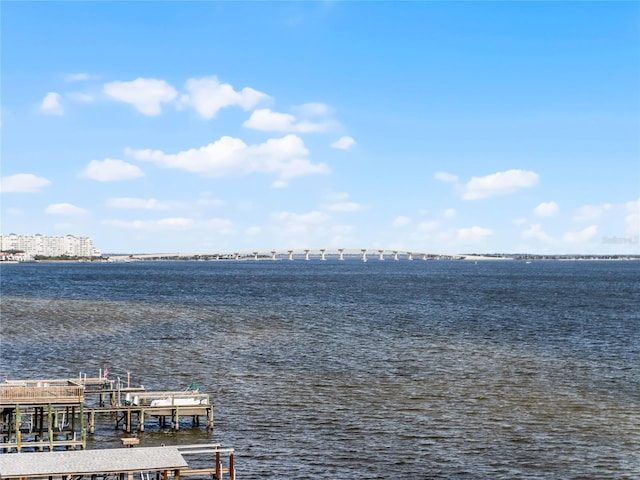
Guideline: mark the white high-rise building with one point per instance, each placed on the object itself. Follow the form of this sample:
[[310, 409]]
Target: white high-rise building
[[47, 246]]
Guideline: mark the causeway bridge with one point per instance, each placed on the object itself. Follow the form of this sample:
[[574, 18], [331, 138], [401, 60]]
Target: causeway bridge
[[362, 254]]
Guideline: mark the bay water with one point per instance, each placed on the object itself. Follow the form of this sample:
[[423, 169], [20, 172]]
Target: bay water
[[352, 370]]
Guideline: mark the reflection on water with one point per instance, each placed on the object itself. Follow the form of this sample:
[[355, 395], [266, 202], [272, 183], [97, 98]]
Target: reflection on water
[[350, 370]]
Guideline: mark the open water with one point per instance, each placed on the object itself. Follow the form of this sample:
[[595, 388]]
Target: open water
[[351, 370]]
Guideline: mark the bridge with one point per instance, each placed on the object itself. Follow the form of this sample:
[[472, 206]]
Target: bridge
[[363, 254]]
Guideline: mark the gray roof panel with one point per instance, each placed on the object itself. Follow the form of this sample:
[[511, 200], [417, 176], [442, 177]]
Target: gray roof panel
[[90, 461]]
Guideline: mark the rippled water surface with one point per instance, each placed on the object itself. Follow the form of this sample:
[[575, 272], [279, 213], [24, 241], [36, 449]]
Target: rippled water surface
[[352, 370]]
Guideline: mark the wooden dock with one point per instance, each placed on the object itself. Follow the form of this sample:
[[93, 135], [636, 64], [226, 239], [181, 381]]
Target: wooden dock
[[45, 414]]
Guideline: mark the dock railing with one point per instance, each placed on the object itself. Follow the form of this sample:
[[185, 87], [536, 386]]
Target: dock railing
[[44, 393], [207, 453]]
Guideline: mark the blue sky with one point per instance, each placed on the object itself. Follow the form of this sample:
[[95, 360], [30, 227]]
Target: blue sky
[[450, 127]]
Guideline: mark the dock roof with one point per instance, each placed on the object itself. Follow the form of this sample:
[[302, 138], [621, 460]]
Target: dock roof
[[87, 462]]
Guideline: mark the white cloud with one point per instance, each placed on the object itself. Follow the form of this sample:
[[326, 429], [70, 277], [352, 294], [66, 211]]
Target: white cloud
[[535, 231], [146, 94], [206, 201], [632, 219], [581, 236], [344, 207], [286, 157], [427, 227], [207, 96], [254, 231], [546, 209], [80, 97], [445, 177], [76, 77], [174, 223], [337, 196], [343, 143], [500, 183], [23, 183], [449, 213], [111, 170], [64, 209], [299, 223], [401, 221], [267, 121], [589, 213], [51, 104], [137, 203], [220, 226], [519, 221], [473, 234], [312, 109]]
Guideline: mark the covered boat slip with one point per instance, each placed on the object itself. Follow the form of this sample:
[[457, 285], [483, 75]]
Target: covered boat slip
[[147, 463], [59, 413]]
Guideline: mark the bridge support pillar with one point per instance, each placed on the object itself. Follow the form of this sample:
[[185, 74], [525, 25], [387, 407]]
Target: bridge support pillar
[[341, 253]]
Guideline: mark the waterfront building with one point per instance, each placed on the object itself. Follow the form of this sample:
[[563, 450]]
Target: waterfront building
[[48, 246]]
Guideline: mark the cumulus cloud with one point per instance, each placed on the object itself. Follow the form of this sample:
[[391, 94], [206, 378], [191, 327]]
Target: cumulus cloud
[[546, 209], [173, 223], [401, 221], [80, 97], [535, 231], [23, 183], [582, 236], [111, 170], [344, 207], [589, 213], [64, 209], [137, 203], [299, 223], [473, 234], [343, 143], [76, 77], [445, 177], [285, 157], [207, 96], [51, 105], [266, 120], [632, 218], [427, 227], [500, 183], [312, 109], [220, 226], [449, 213], [146, 94]]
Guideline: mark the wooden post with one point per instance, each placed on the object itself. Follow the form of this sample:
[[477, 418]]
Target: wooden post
[[83, 431], [218, 464], [141, 420], [18, 432], [210, 417], [50, 425], [232, 472]]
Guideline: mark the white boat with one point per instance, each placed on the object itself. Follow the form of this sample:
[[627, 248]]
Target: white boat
[[181, 402]]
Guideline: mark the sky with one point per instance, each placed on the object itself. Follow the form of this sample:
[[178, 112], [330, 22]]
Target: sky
[[444, 127]]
